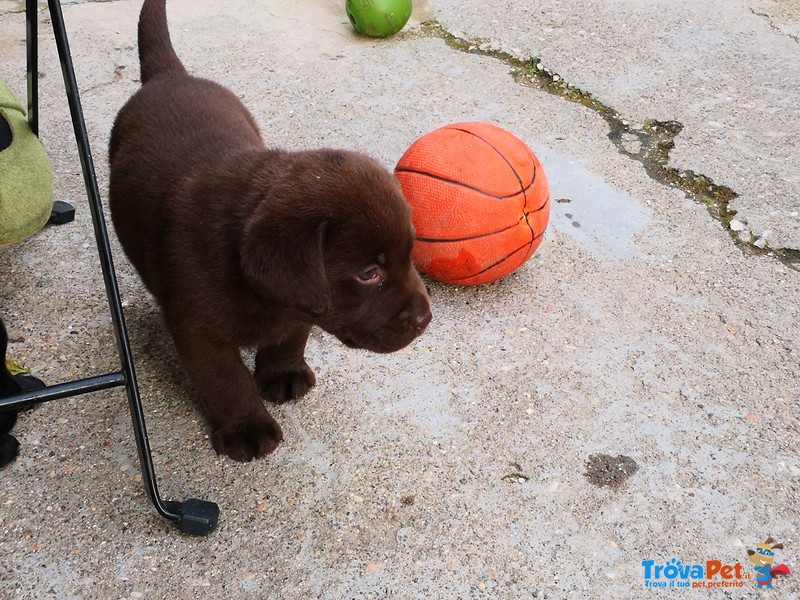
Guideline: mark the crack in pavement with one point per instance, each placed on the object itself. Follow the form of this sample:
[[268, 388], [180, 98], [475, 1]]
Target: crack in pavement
[[769, 19], [648, 143]]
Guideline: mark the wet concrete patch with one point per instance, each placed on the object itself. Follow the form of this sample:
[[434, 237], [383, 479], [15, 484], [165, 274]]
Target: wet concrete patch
[[601, 218], [604, 470]]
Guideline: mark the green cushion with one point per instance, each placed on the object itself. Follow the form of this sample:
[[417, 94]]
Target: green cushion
[[26, 180]]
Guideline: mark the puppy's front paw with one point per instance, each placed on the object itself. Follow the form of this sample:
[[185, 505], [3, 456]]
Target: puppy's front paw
[[283, 386], [254, 438]]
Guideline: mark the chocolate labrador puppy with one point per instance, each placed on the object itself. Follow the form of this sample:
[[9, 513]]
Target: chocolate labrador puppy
[[245, 246]]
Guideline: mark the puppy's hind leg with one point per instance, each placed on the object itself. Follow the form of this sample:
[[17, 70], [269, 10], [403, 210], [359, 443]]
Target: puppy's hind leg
[[241, 427], [281, 372]]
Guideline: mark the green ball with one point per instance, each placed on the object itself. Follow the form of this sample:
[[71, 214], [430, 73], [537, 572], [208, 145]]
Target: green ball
[[378, 18]]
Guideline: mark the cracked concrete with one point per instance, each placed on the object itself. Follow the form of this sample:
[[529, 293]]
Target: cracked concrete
[[457, 468], [650, 142], [706, 66], [783, 15]]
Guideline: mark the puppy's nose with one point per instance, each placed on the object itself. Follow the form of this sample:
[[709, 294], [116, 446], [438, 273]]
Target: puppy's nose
[[421, 319], [418, 314]]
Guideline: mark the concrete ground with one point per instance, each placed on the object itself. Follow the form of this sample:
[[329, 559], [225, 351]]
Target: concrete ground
[[626, 398]]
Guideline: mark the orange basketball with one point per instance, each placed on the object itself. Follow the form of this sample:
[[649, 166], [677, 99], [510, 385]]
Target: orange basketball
[[480, 202]]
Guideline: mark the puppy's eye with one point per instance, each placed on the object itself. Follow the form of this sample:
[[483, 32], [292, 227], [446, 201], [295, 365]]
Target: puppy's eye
[[371, 275]]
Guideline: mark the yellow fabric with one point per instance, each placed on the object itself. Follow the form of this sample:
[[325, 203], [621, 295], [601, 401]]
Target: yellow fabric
[[15, 369]]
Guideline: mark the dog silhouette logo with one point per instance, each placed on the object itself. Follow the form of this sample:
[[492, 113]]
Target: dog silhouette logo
[[763, 558]]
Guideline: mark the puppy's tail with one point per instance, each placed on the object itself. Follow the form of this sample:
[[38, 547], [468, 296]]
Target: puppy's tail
[[156, 54]]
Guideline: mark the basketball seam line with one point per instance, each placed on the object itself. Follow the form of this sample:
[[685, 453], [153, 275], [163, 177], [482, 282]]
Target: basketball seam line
[[502, 260], [450, 241], [501, 155], [523, 188], [481, 235], [461, 184]]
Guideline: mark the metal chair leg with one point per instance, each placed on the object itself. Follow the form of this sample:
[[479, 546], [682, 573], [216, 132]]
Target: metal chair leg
[[196, 517], [32, 57]]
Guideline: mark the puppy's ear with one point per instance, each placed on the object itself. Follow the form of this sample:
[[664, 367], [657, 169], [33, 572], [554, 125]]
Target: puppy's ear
[[283, 259]]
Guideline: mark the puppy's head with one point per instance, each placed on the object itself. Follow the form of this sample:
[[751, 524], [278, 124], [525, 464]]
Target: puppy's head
[[331, 239]]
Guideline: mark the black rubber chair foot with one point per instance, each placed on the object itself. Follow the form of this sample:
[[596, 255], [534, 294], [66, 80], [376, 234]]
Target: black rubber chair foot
[[62, 213], [197, 517]]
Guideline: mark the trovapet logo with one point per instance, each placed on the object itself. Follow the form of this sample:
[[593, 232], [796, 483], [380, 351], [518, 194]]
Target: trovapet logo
[[677, 574]]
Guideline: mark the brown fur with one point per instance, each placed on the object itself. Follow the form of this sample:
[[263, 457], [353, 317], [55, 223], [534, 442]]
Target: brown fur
[[247, 246]]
